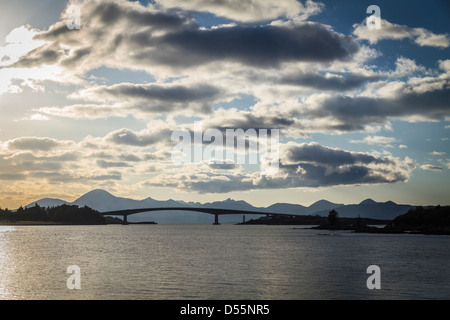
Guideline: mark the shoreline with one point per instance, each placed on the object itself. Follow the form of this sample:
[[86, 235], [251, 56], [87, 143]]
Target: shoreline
[[53, 223], [42, 223], [29, 223]]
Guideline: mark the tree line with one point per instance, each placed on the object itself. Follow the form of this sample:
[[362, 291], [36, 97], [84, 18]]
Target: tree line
[[64, 214]]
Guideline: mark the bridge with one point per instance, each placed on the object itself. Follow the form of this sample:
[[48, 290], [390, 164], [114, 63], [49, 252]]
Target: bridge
[[216, 212]]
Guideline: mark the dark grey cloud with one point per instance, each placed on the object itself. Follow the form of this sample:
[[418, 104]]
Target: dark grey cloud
[[303, 165], [248, 120], [104, 27], [431, 167], [314, 165], [223, 166], [143, 38], [111, 13], [356, 112], [174, 93], [65, 177], [234, 183], [34, 144], [56, 177], [46, 174], [128, 137], [102, 177], [111, 164], [106, 14], [76, 57], [322, 155], [57, 31], [12, 176], [27, 162], [131, 138], [262, 46], [155, 98], [46, 54], [337, 83], [129, 157]]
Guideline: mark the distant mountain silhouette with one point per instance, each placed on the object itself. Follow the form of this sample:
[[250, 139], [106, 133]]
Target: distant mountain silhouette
[[102, 201], [368, 202], [286, 208], [229, 204], [47, 202], [370, 209], [322, 205]]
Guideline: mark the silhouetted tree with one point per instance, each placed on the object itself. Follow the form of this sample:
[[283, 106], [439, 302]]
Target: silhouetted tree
[[358, 222], [333, 217]]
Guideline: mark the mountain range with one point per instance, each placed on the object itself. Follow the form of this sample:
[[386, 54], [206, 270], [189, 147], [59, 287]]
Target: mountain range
[[103, 201]]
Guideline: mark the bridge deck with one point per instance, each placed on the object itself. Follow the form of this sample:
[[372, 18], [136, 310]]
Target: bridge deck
[[204, 210]]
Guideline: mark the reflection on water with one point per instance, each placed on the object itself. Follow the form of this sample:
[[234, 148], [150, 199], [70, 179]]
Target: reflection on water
[[5, 263], [218, 262]]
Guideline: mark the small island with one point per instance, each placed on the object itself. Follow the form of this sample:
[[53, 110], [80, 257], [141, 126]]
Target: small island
[[316, 220], [430, 220], [433, 220]]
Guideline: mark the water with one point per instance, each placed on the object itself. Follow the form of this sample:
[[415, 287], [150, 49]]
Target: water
[[219, 262]]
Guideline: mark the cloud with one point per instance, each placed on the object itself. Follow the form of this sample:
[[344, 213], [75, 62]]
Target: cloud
[[405, 66], [437, 153], [111, 164], [355, 112], [144, 138], [336, 82], [86, 111], [223, 166], [265, 46], [154, 97], [128, 137], [317, 154], [248, 10], [105, 177], [431, 167], [34, 144], [170, 93], [211, 63], [22, 164], [301, 165], [69, 162], [114, 24], [138, 37], [392, 31], [290, 74], [12, 176], [376, 140]]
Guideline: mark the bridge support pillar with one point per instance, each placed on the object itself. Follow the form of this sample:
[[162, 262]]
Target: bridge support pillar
[[125, 219], [216, 219]]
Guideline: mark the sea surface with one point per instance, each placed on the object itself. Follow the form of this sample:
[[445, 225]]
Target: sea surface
[[167, 262]]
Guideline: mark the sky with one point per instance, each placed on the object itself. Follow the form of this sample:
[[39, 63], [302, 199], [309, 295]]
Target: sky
[[362, 112]]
